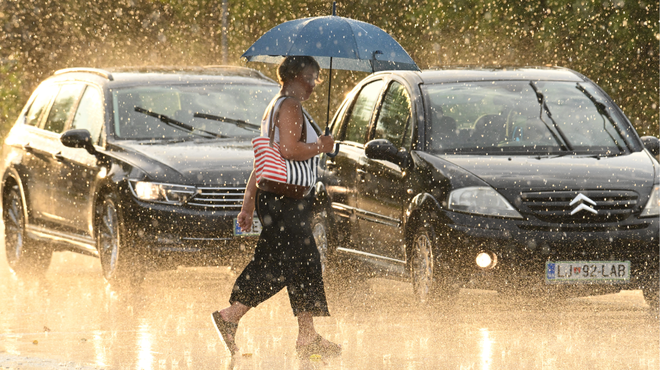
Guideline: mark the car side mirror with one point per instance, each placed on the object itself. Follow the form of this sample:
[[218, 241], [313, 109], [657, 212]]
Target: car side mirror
[[652, 144], [385, 150], [78, 138]]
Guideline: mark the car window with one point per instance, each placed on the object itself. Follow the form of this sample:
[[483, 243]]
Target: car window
[[507, 116], [89, 115], [360, 116], [232, 105], [395, 115], [44, 95], [62, 107], [579, 118]]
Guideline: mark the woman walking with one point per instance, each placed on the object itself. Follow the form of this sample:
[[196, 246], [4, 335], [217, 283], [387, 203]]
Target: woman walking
[[286, 254]]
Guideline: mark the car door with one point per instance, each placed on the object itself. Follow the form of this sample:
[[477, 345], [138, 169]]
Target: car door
[[52, 153], [380, 184], [78, 168], [342, 169], [32, 143]]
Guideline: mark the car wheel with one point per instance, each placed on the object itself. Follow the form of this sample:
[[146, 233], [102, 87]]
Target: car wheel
[[650, 289], [321, 238], [421, 263], [24, 256], [423, 267], [119, 256]]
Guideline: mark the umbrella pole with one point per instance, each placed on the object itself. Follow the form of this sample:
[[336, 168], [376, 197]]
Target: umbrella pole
[[327, 116]]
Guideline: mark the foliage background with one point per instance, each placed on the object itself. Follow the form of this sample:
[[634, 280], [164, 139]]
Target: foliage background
[[613, 42]]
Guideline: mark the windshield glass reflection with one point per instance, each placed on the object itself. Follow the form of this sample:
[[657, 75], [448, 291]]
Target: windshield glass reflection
[[518, 116], [170, 108]]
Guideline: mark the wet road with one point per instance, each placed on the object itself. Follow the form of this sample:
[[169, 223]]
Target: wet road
[[71, 320]]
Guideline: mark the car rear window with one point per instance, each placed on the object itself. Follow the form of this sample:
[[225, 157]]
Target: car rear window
[[63, 107], [44, 95], [523, 116], [238, 103]]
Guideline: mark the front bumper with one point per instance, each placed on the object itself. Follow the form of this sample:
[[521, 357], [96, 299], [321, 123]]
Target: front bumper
[[523, 247], [190, 235]]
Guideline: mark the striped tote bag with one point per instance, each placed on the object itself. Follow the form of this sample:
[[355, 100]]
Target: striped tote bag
[[293, 179]]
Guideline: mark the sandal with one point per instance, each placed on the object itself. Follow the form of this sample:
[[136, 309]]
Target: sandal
[[316, 347], [227, 331]]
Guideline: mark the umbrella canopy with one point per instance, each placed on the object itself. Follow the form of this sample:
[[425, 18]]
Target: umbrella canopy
[[335, 42]]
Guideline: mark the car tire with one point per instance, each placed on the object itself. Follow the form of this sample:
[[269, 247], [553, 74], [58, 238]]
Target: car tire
[[651, 291], [120, 258], [340, 275], [24, 255], [427, 286], [321, 234]]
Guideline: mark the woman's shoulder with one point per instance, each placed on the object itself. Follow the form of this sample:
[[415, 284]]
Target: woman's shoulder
[[288, 102]]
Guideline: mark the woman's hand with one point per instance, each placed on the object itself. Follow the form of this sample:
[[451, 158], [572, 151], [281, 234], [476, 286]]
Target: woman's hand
[[245, 220], [326, 144]]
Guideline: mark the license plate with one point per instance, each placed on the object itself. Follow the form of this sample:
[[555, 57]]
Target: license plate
[[256, 228], [572, 272]]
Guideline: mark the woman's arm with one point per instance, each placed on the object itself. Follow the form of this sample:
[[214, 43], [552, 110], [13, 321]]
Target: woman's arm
[[289, 121], [247, 210]]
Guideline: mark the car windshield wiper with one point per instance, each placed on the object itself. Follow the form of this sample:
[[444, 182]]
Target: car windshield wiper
[[563, 143], [236, 122], [177, 124], [602, 110]]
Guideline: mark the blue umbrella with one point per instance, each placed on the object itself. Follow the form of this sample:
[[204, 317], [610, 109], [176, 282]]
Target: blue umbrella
[[335, 42]]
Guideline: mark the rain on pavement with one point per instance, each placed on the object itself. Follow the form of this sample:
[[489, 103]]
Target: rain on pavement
[[70, 319]]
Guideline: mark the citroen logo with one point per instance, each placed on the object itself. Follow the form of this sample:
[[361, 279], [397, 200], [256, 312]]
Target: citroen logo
[[582, 200]]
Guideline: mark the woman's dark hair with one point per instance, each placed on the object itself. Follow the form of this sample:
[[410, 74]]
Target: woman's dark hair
[[293, 66]]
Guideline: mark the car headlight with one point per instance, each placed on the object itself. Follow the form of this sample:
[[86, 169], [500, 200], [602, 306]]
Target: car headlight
[[481, 200], [164, 193], [652, 208]]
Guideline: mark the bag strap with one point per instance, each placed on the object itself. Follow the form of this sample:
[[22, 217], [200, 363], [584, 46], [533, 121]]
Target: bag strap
[[271, 124]]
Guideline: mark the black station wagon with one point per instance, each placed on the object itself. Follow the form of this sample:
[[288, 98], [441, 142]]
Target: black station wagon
[[142, 168], [526, 179]]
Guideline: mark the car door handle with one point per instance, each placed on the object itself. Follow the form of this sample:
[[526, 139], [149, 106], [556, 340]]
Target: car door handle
[[329, 165], [361, 171], [58, 156]]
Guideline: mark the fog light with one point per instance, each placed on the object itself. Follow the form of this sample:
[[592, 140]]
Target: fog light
[[486, 260]]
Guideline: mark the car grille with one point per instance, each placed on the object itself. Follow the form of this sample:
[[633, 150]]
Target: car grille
[[225, 198], [554, 207]]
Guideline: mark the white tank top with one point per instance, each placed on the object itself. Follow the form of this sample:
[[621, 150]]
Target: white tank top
[[265, 124]]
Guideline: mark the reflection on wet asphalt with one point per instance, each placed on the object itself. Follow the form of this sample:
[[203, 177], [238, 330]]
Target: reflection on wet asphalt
[[70, 316]]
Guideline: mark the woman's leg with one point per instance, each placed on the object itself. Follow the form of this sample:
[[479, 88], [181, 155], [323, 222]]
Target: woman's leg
[[235, 312], [305, 282], [261, 278], [310, 342], [304, 271], [226, 323]]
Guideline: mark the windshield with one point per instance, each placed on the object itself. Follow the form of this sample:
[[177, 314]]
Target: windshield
[[539, 117], [167, 112]]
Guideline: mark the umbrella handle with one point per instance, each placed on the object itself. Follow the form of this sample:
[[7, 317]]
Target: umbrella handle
[[334, 154]]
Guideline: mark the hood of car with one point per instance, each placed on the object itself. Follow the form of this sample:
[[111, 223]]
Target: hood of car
[[201, 163], [515, 174]]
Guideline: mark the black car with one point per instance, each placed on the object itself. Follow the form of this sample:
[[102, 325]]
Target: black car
[[140, 167], [514, 179]]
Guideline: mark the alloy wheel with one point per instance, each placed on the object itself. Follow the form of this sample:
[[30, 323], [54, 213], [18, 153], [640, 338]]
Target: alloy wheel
[[14, 220], [24, 255], [109, 238], [422, 264], [320, 232]]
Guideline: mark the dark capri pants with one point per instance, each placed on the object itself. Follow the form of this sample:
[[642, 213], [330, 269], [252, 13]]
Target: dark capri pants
[[285, 256]]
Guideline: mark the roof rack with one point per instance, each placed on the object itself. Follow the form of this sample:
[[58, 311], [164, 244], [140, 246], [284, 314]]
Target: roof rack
[[99, 72], [209, 69]]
